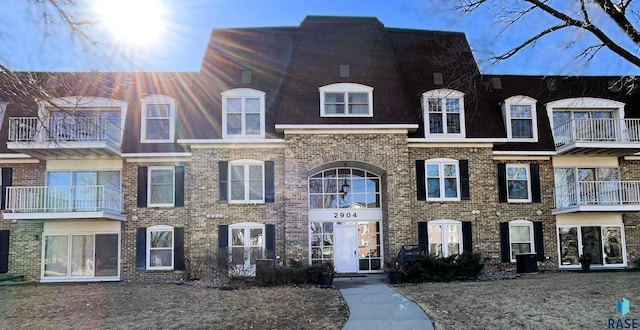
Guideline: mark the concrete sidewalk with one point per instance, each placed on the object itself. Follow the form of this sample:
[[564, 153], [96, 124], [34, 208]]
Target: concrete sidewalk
[[374, 305]]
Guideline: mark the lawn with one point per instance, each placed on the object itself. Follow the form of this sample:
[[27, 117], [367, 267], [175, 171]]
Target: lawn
[[168, 306], [567, 300], [535, 301]]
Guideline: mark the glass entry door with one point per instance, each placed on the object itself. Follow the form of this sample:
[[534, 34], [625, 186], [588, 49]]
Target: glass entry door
[[247, 246], [592, 244]]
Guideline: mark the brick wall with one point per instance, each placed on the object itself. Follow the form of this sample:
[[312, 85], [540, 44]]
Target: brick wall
[[25, 241], [304, 153]]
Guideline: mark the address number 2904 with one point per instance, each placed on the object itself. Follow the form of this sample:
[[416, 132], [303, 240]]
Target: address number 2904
[[342, 215]]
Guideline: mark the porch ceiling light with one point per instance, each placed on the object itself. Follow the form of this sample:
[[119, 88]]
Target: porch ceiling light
[[345, 188]]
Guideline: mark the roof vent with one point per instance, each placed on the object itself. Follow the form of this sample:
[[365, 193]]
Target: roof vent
[[496, 83], [437, 78], [246, 76], [551, 84], [344, 71]]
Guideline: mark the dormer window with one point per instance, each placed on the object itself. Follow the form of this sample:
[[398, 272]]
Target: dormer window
[[519, 113], [346, 100], [443, 113], [158, 119], [243, 113]]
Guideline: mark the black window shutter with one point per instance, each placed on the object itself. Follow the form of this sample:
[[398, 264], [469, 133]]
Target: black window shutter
[[502, 183], [178, 249], [179, 188], [141, 248], [223, 245], [270, 241], [467, 241], [538, 240], [269, 191], [142, 186], [505, 247], [464, 180], [223, 183], [421, 189], [535, 183], [7, 178], [4, 251], [423, 239]]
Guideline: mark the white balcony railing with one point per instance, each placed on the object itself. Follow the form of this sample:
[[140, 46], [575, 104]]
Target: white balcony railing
[[598, 193], [63, 129], [597, 130], [63, 199]]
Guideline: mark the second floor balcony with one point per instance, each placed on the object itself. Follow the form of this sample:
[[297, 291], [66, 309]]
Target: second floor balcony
[[74, 202], [52, 137], [598, 196], [598, 136]]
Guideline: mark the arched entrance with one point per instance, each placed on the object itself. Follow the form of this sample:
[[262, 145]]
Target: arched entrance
[[345, 219]]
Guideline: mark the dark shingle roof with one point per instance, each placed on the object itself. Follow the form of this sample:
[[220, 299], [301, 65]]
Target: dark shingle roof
[[325, 43]]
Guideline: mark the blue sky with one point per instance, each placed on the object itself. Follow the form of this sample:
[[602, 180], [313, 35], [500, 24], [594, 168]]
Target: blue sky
[[24, 46]]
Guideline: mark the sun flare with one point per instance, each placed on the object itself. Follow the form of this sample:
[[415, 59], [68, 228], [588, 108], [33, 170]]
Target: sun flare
[[137, 23]]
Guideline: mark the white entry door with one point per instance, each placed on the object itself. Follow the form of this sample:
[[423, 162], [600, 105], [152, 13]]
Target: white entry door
[[346, 248]]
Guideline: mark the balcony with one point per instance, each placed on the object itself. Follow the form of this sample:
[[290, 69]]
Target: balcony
[[598, 137], [77, 202], [598, 196], [53, 137]]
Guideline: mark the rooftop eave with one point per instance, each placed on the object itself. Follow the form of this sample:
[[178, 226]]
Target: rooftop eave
[[346, 128]]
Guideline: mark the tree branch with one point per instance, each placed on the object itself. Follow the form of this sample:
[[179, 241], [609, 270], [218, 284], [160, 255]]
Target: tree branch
[[617, 14], [606, 40], [528, 42]]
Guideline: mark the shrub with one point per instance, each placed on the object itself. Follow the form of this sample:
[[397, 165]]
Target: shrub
[[297, 273], [465, 266]]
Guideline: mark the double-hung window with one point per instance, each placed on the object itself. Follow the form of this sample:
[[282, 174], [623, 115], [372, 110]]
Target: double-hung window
[[246, 178], [519, 114], [158, 119], [160, 243], [520, 238], [444, 113], [518, 183], [346, 100], [243, 113], [443, 179], [161, 186]]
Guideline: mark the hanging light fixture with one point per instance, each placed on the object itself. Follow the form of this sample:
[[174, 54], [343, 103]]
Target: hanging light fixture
[[345, 188]]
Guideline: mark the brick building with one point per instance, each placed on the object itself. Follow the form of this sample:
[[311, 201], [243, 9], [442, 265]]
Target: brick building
[[338, 140]]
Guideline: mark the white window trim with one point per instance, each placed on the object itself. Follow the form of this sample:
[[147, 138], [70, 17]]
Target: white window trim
[[173, 193], [243, 93], [245, 163], [444, 234], [157, 99], [346, 88], [443, 94], [148, 248], [506, 115], [586, 104], [522, 223], [441, 162], [513, 200]]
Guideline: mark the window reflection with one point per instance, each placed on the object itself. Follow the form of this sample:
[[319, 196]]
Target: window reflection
[[344, 188]]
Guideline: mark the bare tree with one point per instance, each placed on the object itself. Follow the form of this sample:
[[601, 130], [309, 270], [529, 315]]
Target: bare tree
[[613, 24], [67, 20]]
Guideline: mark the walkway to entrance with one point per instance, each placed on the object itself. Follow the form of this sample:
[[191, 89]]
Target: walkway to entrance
[[374, 305]]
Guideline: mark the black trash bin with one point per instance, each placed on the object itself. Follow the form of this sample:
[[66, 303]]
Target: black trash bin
[[526, 263]]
